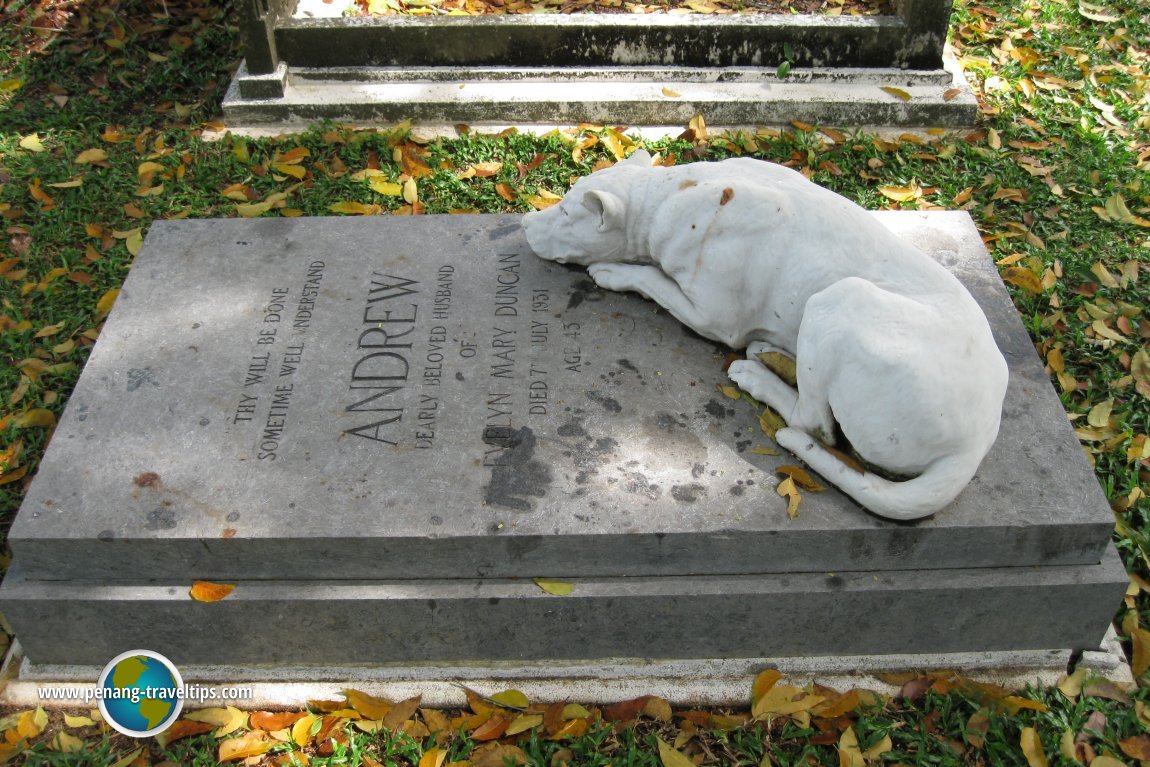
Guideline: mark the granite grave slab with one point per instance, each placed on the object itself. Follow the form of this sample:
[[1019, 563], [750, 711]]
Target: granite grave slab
[[382, 428], [405, 398]]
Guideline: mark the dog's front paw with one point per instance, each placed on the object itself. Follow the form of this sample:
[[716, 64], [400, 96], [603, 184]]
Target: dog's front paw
[[609, 276], [746, 374]]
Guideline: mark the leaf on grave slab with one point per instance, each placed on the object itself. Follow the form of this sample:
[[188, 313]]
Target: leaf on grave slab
[[730, 392], [433, 757], [1022, 277], [1032, 748], [898, 93], [183, 728], [498, 755], [657, 708], [254, 743], [511, 699], [784, 700], [801, 478], [206, 591], [89, 156], [400, 713], [788, 490], [273, 721], [551, 586], [770, 422], [523, 723], [763, 683], [32, 143], [369, 706], [781, 365], [670, 93]]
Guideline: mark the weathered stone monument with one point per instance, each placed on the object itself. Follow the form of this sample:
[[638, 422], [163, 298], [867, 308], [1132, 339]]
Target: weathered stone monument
[[306, 61], [382, 429]]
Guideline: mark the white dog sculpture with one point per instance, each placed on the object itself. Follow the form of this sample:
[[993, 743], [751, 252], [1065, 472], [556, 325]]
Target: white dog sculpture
[[888, 344]]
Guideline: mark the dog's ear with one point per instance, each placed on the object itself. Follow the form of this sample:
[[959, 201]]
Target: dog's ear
[[640, 157], [610, 208]]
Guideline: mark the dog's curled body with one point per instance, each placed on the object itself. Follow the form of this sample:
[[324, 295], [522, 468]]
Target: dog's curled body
[[887, 343]]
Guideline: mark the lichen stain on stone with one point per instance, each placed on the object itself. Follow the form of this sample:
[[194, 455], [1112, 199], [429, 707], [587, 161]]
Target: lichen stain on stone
[[148, 479], [161, 518], [688, 493], [610, 404], [518, 473]]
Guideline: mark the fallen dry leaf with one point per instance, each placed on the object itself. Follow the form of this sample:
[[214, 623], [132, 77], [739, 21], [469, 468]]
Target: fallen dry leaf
[[206, 591]]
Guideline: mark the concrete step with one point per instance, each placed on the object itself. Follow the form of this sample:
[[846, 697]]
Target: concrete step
[[633, 96]]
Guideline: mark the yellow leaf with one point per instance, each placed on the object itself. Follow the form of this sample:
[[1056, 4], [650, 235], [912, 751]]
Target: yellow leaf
[[801, 478], [1106, 761], [410, 192], [369, 706], [523, 723], [670, 93], [1032, 748], [1070, 685], [878, 749], [901, 193], [35, 417], [74, 182], [1140, 639], [251, 210], [788, 490], [237, 719], [206, 591], [401, 712], [485, 169], [849, 753], [1067, 747], [295, 171], [66, 743], [781, 365], [763, 683], [293, 156], [253, 743], [575, 711], [730, 392], [433, 757], [49, 330], [32, 723], [765, 451], [993, 140], [1140, 370], [558, 588], [670, 757], [301, 730], [512, 698], [148, 167], [784, 700], [11, 84], [78, 721], [1023, 278], [32, 143], [770, 422], [898, 93], [89, 156], [1099, 415], [389, 188], [1105, 278], [134, 242], [104, 305], [355, 208], [128, 758]]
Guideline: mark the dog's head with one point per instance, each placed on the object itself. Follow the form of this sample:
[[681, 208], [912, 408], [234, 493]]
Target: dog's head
[[590, 224]]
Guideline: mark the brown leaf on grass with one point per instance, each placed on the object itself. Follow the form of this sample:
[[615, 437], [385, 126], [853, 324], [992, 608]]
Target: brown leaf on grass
[[269, 721], [1100, 687], [498, 755], [626, 711], [506, 192], [89, 156], [976, 728], [206, 591], [1136, 747], [400, 713], [409, 157], [492, 729], [183, 728], [849, 753]]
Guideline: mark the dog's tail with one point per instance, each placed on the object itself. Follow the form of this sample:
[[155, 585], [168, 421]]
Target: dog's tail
[[914, 498]]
